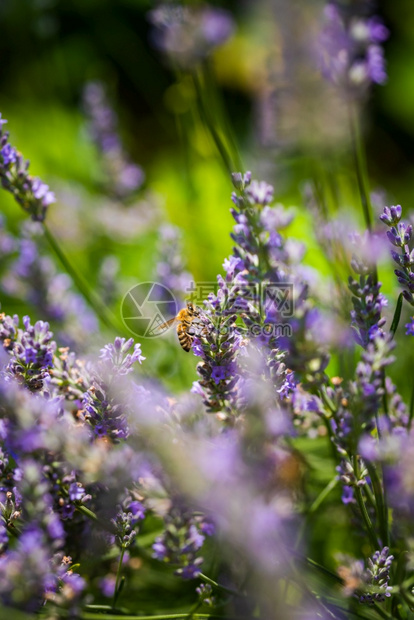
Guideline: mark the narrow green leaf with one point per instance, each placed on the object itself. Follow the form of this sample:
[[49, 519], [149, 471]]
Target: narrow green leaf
[[397, 315]]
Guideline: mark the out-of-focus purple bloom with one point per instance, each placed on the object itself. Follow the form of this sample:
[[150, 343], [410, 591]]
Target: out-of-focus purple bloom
[[107, 585], [34, 277], [124, 177], [189, 34], [104, 405], [349, 52], [260, 192], [25, 572], [137, 509], [182, 539], [31, 193]]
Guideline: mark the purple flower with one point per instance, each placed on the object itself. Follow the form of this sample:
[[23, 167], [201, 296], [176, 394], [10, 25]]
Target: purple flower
[[188, 34], [181, 541], [288, 386], [348, 495], [349, 52], [41, 192], [124, 178], [118, 355], [410, 327], [378, 575], [190, 571], [76, 492], [391, 215], [159, 549], [367, 301], [219, 373], [8, 154], [260, 192], [208, 528], [400, 235], [107, 585], [31, 351], [31, 193], [376, 64], [137, 509]]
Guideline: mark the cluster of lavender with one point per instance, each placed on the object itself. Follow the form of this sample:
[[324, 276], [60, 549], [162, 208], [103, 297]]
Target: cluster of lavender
[[188, 34], [367, 300], [31, 351], [183, 537], [125, 177], [261, 302], [368, 585], [66, 465], [30, 192], [350, 51], [32, 276], [90, 457], [100, 407], [399, 235]]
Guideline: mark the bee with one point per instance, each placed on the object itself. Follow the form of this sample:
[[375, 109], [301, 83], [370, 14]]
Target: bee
[[185, 320]]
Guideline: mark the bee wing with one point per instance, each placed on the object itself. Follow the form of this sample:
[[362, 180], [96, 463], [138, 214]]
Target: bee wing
[[165, 325]]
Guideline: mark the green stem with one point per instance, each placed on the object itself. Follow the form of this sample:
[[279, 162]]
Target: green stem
[[323, 495], [220, 111], [411, 411], [214, 584], [90, 297], [90, 514], [382, 509], [205, 115], [381, 612], [323, 570], [179, 616], [192, 611], [360, 166], [384, 402], [362, 174], [314, 507], [365, 516], [84, 510], [118, 577], [397, 315]]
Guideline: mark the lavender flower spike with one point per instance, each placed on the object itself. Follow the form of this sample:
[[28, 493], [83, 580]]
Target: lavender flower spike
[[379, 575], [400, 236], [30, 192]]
